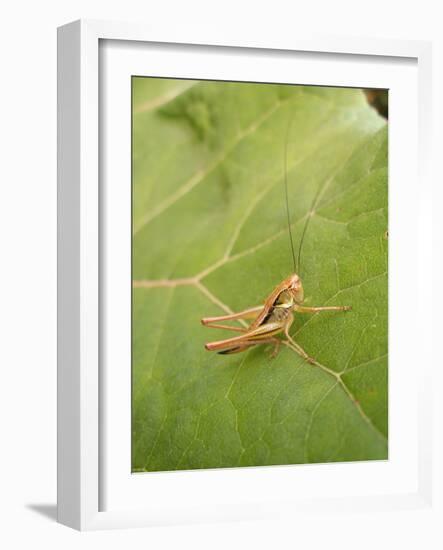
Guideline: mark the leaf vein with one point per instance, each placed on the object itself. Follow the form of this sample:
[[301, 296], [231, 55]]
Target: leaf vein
[[201, 174]]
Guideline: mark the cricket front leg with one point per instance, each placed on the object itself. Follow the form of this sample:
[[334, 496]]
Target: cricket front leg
[[307, 309]]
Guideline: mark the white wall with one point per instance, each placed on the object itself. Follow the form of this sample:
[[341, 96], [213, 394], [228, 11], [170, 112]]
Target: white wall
[[28, 263]]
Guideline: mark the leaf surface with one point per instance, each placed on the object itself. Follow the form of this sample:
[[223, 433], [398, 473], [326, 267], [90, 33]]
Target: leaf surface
[[210, 236]]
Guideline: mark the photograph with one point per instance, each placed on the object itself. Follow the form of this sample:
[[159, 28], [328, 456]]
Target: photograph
[[259, 274]]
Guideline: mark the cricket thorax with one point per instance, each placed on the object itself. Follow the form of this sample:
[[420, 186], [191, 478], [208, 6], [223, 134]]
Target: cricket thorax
[[284, 300]]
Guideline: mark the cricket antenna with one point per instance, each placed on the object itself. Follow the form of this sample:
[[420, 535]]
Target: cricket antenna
[[308, 217], [286, 194], [297, 264]]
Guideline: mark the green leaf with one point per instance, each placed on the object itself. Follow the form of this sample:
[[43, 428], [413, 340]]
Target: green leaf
[[210, 235]]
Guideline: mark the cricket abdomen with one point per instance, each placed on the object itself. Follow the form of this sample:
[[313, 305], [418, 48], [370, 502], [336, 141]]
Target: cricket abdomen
[[278, 315]]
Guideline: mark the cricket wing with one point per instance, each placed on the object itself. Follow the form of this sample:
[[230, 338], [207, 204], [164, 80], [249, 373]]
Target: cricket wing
[[269, 303]]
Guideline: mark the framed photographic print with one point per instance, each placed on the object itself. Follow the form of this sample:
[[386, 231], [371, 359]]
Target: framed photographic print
[[273, 194], [239, 225]]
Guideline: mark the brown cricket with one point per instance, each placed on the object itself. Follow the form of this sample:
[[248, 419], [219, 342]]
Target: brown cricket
[[276, 315]]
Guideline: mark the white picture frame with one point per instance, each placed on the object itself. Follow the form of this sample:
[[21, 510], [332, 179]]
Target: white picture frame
[[81, 470]]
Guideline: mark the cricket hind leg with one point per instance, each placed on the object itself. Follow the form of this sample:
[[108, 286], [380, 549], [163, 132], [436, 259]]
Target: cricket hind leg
[[248, 344], [231, 351], [250, 313], [263, 333], [293, 344], [212, 322], [226, 327], [298, 349]]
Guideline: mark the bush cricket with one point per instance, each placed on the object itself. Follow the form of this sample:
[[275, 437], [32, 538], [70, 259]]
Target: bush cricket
[[276, 315]]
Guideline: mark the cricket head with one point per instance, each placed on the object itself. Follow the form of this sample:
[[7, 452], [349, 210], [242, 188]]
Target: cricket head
[[295, 288]]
